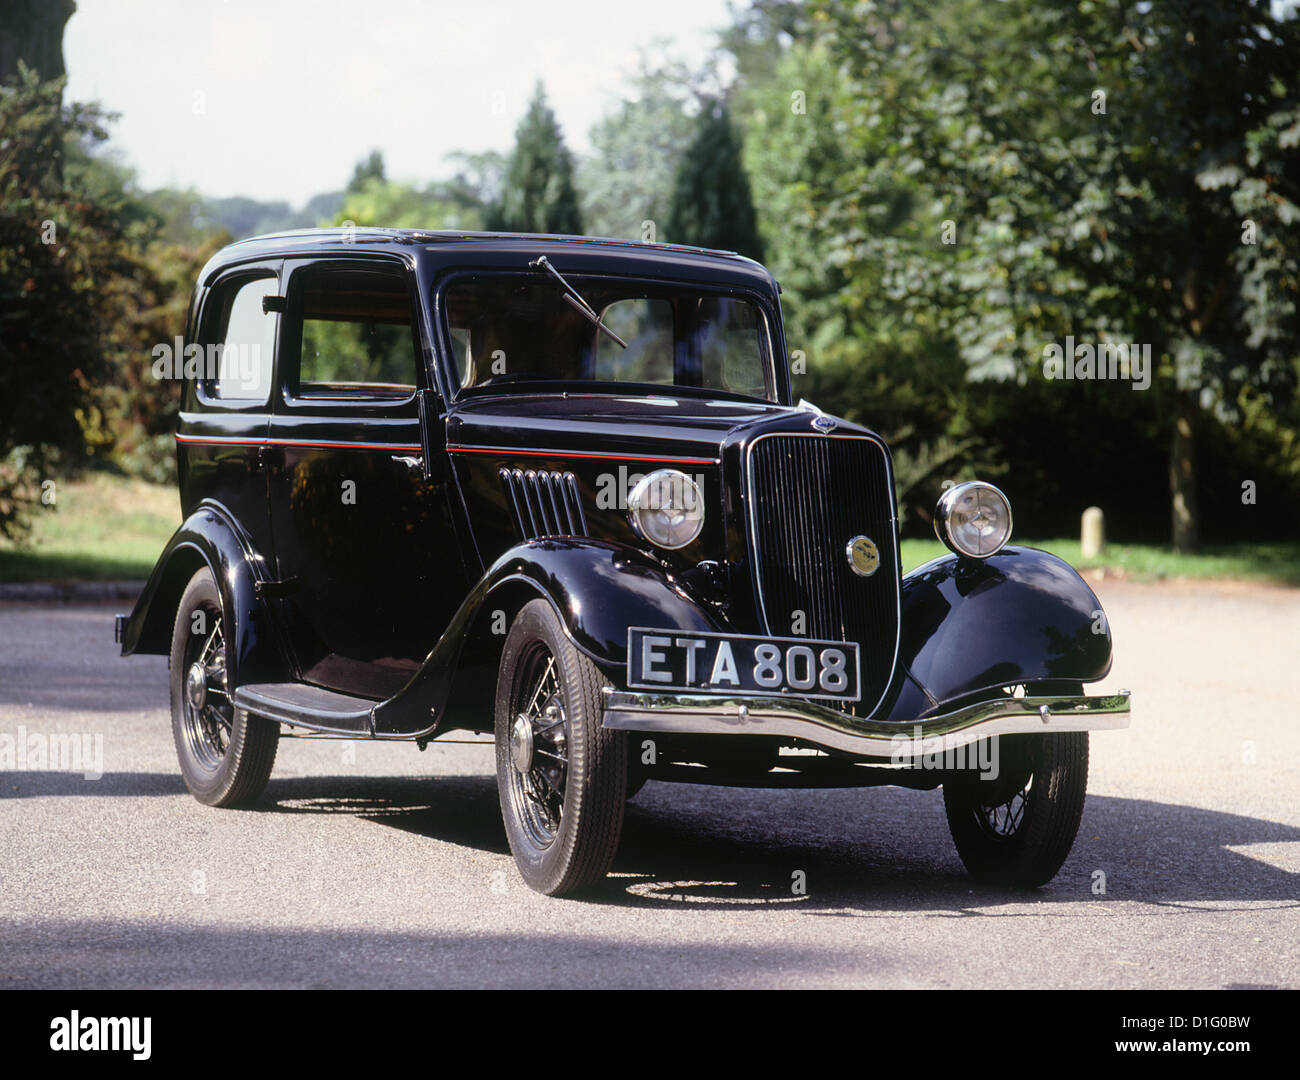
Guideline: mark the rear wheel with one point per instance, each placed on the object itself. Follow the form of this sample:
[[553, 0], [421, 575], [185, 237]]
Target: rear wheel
[[1019, 828], [561, 776], [226, 756]]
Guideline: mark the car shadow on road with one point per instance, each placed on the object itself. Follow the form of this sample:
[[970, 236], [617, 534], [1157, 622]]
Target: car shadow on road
[[892, 852], [868, 851]]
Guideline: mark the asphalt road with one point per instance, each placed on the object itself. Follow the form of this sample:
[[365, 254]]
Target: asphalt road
[[378, 866]]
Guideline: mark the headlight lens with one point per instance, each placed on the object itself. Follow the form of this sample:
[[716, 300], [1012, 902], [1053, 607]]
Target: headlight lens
[[973, 519], [667, 508]]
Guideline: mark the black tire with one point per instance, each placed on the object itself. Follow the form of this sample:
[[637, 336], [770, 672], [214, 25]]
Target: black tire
[[562, 778], [1019, 829], [226, 755]]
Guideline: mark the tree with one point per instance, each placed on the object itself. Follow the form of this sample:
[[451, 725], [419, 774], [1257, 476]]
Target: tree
[[368, 169], [1091, 171], [537, 193], [60, 259], [392, 204], [711, 204], [32, 32], [853, 350], [628, 179]]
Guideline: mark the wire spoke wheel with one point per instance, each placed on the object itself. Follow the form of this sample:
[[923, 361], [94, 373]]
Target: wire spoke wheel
[[209, 714], [539, 746], [226, 755], [561, 775], [1018, 828], [1005, 819]]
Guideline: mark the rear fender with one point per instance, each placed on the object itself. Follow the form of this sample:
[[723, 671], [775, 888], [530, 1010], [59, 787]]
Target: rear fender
[[209, 537]]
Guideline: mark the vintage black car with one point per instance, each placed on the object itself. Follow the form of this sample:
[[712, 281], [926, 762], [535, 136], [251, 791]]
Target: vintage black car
[[558, 489]]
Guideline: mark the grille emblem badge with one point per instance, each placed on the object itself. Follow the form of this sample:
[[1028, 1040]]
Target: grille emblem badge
[[824, 423], [863, 556]]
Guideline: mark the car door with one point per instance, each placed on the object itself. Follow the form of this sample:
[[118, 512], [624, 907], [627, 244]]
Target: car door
[[368, 563]]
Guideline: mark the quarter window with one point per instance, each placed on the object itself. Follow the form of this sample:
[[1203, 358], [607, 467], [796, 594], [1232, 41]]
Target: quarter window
[[245, 344]]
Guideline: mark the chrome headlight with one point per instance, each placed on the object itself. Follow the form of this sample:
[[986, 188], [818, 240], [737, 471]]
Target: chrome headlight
[[973, 519], [666, 508]]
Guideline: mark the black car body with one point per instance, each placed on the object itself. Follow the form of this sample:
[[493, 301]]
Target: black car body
[[410, 492]]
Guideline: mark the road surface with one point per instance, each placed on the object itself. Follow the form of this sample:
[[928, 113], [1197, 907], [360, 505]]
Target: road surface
[[378, 866]]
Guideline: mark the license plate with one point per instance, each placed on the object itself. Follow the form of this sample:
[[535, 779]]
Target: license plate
[[742, 664]]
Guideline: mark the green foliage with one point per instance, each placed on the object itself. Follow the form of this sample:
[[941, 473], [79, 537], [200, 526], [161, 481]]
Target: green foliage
[[537, 192], [628, 179], [138, 413], [59, 257], [392, 204], [368, 170], [711, 204], [1115, 219]]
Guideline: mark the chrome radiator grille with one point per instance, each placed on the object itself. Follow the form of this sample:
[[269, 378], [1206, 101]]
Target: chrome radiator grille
[[809, 496], [544, 503]]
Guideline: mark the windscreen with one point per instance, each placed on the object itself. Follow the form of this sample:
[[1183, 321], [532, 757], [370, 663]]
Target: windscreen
[[511, 329]]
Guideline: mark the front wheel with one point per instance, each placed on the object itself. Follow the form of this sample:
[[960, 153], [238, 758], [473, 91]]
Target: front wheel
[[226, 755], [561, 776], [1018, 829]]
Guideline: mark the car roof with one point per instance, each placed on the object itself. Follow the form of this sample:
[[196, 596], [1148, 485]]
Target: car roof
[[451, 245]]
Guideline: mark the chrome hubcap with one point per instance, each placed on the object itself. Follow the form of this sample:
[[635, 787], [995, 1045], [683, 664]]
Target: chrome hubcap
[[196, 686], [521, 744]]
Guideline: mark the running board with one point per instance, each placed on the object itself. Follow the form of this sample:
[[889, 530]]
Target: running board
[[309, 707]]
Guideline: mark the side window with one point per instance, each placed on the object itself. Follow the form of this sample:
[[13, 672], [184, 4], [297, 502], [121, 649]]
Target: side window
[[647, 327], [356, 337], [245, 337]]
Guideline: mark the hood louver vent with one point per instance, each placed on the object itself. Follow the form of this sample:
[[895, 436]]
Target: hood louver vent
[[544, 503]]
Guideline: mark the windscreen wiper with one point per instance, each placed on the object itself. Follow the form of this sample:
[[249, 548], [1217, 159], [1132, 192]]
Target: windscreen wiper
[[573, 297]]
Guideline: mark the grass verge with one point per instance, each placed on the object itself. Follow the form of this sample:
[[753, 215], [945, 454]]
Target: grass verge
[[104, 528], [100, 528], [1278, 562]]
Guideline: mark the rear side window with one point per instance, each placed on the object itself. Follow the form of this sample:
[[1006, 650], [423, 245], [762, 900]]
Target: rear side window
[[245, 340], [355, 333]]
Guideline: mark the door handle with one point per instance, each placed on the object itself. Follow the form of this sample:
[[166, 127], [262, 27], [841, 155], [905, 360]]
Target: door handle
[[409, 461], [266, 454]]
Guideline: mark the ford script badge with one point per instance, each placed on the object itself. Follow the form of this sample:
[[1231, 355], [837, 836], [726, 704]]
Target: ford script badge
[[824, 423], [863, 556]]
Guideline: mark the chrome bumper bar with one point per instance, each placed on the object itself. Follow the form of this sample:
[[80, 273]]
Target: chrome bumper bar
[[702, 714]]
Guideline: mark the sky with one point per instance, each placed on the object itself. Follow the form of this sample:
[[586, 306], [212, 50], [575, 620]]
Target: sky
[[278, 99]]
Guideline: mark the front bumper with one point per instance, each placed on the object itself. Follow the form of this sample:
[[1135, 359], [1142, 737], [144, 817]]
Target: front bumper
[[702, 714]]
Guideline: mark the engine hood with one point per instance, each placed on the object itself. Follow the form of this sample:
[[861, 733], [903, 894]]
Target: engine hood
[[635, 425]]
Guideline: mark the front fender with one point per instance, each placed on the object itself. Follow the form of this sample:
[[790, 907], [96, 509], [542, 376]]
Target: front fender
[[209, 537], [598, 589], [1021, 616]]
